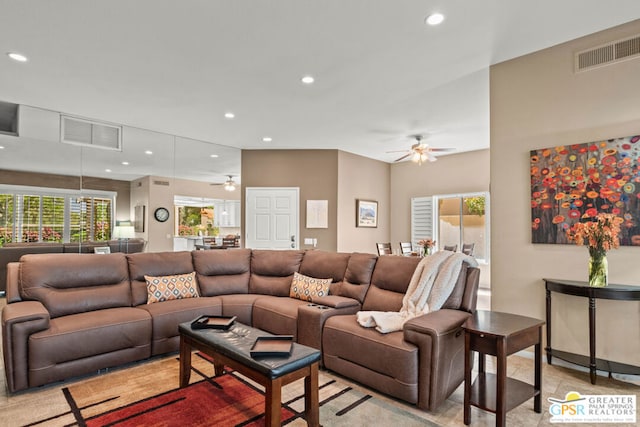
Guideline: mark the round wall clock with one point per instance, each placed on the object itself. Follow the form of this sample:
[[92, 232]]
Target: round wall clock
[[161, 214]]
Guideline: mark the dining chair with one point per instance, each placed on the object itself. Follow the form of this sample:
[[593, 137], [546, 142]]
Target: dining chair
[[384, 248], [467, 248], [451, 248], [229, 242], [405, 248]]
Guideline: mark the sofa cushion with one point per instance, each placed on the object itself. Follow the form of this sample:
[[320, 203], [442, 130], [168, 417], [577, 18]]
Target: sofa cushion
[[307, 288], [357, 277], [75, 283], [324, 264], [389, 283], [239, 305], [88, 338], [344, 338], [165, 288], [155, 264], [166, 317], [277, 315], [272, 271], [222, 272], [455, 299]]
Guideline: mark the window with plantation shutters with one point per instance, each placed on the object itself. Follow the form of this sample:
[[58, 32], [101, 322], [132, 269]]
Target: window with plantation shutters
[[46, 215], [421, 219], [7, 218]]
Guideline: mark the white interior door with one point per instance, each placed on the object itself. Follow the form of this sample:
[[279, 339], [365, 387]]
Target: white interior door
[[272, 218]]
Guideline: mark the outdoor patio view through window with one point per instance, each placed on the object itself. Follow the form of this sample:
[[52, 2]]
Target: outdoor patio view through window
[[36, 216], [461, 220]]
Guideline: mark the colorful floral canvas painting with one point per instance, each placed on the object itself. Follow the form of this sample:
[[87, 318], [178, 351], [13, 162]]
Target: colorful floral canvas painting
[[574, 183]]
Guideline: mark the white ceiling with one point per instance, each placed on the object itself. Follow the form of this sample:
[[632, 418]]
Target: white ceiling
[[381, 74]]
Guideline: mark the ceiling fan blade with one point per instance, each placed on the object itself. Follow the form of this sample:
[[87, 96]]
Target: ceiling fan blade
[[431, 157], [397, 151], [403, 157], [442, 149]]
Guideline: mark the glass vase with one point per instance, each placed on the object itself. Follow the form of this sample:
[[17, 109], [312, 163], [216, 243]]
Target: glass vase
[[598, 270]]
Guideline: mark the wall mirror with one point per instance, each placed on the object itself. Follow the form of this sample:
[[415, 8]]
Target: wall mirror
[[56, 189]]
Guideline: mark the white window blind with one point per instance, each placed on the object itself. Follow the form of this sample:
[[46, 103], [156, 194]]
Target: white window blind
[[421, 219], [53, 216]]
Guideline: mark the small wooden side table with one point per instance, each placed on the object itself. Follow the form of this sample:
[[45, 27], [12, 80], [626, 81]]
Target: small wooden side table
[[500, 334]]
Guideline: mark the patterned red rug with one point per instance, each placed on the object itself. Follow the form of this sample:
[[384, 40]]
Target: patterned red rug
[[221, 401], [147, 394]]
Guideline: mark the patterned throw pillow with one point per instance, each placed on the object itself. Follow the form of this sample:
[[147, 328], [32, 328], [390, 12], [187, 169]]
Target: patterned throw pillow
[[306, 288], [178, 286]]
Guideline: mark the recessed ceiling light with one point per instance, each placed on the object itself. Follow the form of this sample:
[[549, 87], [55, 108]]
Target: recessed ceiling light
[[1, 147], [17, 57], [308, 80], [267, 139], [434, 19], [107, 170], [229, 115], [214, 156], [148, 152], [125, 163]]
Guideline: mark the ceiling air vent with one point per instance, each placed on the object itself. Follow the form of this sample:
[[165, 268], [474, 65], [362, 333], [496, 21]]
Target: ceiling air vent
[[610, 53], [89, 133], [8, 118]]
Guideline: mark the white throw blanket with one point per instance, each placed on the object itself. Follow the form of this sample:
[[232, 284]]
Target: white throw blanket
[[430, 286]]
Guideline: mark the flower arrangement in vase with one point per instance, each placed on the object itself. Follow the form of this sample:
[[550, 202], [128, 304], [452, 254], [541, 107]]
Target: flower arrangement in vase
[[600, 236], [427, 246]]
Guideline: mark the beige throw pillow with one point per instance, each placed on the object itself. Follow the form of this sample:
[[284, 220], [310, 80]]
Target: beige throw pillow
[[165, 288], [307, 288]]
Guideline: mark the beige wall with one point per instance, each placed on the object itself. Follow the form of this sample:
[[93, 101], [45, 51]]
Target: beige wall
[[452, 174], [70, 182], [315, 172], [362, 178], [331, 175], [538, 101]]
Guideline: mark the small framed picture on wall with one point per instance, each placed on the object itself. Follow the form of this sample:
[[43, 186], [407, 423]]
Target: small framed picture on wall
[[366, 213]]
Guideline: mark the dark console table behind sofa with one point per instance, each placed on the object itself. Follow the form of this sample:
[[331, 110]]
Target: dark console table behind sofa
[[582, 289]]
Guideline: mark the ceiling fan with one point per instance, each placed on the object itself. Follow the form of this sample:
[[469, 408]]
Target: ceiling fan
[[229, 184], [420, 151]]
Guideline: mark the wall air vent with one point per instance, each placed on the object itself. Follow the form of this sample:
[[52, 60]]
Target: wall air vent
[[606, 54], [165, 183], [89, 133]]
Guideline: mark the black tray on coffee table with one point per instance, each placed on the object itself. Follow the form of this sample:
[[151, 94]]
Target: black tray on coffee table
[[213, 322]]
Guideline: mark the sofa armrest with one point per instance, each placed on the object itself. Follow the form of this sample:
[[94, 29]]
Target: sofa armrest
[[19, 321], [439, 322], [312, 317], [440, 339], [335, 301]]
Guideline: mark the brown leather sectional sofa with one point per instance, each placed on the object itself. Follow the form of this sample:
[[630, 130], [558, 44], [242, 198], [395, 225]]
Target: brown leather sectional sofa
[[72, 314], [11, 252]]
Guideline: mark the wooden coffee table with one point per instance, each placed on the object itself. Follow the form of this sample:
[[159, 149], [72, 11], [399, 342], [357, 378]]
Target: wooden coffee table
[[232, 348]]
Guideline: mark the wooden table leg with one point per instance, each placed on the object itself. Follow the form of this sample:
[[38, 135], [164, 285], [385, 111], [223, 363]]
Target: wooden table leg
[[537, 400], [218, 369], [272, 404], [468, 366], [311, 399], [592, 339], [185, 362], [501, 392], [548, 317]]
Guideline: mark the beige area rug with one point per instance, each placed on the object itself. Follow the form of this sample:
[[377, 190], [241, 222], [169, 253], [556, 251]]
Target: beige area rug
[[343, 403], [129, 396], [360, 406]]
